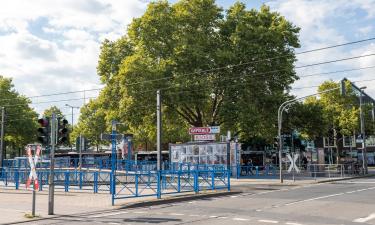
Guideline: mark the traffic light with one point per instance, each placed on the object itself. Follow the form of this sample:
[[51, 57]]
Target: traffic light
[[276, 143], [62, 131], [44, 131], [86, 144]]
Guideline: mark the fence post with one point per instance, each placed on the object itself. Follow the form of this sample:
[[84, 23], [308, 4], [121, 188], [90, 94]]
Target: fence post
[[6, 177], [66, 181], [96, 182], [111, 183], [213, 179], [228, 173], [136, 184], [16, 179], [256, 171], [80, 179], [158, 185], [178, 181], [315, 171], [196, 181], [342, 171], [329, 171]]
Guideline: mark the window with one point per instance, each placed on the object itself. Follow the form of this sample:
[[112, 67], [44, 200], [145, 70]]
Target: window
[[349, 141]]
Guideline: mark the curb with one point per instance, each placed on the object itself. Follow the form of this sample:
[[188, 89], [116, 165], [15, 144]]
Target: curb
[[174, 199], [345, 178]]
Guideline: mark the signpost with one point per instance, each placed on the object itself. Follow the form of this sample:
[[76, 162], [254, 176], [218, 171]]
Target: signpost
[[204, 130], [204, 137], [33, 175], [293, 163]]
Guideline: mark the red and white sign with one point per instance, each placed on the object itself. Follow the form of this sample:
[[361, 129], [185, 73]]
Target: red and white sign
[[205, 137], [33, 161], [199, 130], [204, 130]]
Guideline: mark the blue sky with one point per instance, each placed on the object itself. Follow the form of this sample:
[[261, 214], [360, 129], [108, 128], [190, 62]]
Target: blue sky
[[50, 46]]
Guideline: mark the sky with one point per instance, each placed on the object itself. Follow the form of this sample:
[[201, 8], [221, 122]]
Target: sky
[[51, 46]]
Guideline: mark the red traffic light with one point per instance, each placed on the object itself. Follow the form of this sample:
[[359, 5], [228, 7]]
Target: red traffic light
[[43, 122]]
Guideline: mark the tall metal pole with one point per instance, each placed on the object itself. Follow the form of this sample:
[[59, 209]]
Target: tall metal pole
[[2, 136], [51, 185], [159, 132], [364, 157], [113, 161], [81, 144], [280, 119]]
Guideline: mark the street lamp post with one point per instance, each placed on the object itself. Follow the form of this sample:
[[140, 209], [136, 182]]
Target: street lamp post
[[73, 107], [282, 107], [364, 157]]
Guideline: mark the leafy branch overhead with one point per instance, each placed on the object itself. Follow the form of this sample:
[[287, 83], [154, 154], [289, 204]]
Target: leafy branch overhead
[[175, 48]]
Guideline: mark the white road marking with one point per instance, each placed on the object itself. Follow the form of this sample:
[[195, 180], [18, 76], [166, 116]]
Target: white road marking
[[213, 216], [139, 212], [362, 182], [176, 214], [194, 215], [291, 223], [365, 219], [312, 199], [113, 223], [268, 221], [222, 217], [234, 196], [240, 219], [107, 214]]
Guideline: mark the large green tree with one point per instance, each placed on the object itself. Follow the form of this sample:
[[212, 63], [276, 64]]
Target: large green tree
[[20, 120], [53, 109], [188, 50]]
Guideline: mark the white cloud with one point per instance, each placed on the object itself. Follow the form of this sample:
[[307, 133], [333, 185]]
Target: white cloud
[[53, 46], [325, 23]]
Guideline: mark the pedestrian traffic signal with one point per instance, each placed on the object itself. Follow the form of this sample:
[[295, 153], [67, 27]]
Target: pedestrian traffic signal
[[62, 131], [44, 131]]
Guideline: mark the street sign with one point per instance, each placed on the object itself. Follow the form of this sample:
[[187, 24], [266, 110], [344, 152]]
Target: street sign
[[204, 130], [293, 164], [33, 162], [214, 129], [205, 137], [108, 137], [199, 130]]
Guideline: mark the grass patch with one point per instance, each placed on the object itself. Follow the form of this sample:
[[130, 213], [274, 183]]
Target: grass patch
[[30, 216]]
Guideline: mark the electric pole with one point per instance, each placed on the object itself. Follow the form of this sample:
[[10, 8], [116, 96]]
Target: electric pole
[[158, 130], [2, 135], [51, 185]]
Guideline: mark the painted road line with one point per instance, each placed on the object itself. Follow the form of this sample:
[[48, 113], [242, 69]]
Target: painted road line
[[291, 223], [312, 199], [365, 219], [176, 214], [108, 214], [268, 221], [193, 215], [140, 212], [240, 219]]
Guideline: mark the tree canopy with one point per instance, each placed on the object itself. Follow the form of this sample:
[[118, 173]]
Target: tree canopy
[[20, 120], [230, 68]]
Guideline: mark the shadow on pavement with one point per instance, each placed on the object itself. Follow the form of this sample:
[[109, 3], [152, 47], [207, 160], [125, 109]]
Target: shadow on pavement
[[206, 197]]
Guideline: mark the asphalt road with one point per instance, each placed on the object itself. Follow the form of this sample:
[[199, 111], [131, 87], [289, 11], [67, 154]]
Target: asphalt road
[[343, 202]]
